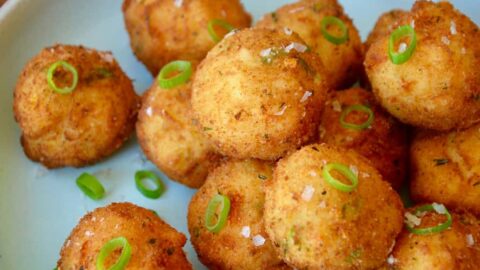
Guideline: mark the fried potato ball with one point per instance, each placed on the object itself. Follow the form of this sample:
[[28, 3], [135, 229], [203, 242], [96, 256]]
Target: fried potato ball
[[385, 24], [314, 225], [456, 248], [259, 94], [438, 86], [81, 127], [383, 141], [169, 138], [154, 243], [342, 61], [242, 243], [165, 30], [445, 167]]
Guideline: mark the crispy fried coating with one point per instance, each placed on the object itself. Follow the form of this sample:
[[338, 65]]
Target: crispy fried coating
[[445, 168], [154, 243], [385, 24], [456, 248], [383, 142], [84, 126], [439, 86], [242, 244], [342, 62], [259, 94], [169, 138], [314, 225], [165, 30]]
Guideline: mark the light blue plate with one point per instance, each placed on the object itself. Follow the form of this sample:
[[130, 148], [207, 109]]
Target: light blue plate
[[38, 208]]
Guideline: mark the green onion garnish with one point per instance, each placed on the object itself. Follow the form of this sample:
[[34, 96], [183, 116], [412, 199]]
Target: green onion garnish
[[51, 73], [440, 209], [357, 108], [90, 185], [406, 52], [218, 22], [218, 201], [345, 171], [185, 71], [108, 248], [147, 192], [332, 20]]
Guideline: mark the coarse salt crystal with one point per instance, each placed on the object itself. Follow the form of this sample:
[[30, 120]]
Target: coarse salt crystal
[[266, 52], [107, 57], [94, 219], [307, 193], [88, 233], [470, 240], [296, 10], [453, 28], [354, 169], [312, 173], [231, 33], [178, 3], [412, 23], [412, 220], [445, 40], [258, 240], [402, 47], [282, 110], [336, 106], [306, 95], [245, 231], [149, 111], [439, 208], [297, 46], [287, 31], [391, 260]]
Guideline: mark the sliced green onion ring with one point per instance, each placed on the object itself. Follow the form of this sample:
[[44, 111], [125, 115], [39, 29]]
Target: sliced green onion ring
[[357, 108], [108, 248], [399, 58], [430, 230], [345, 171], [332, 20], [218, 22], [223, 202], [51, 72], [185, 72], [147, 192], [90, 185]]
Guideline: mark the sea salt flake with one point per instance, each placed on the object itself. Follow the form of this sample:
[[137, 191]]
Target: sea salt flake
[[453, 28], [295, 10], [307, 193], [336, 106], [231, 33], [287, 31], [470, 240], [258, 240], [107, 57], [445, 40], [296, 46], [178, 3], [391, 260], [402, 47], [266, 52], [439, 208], [412, 23], [282, 110], [245, 231], [412, 220], [312, 173], [89, 233], [354, 169], [306, 95], [149, 111]]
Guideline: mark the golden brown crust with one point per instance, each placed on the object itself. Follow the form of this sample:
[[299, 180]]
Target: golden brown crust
[[456, 248], [82, 127], [315, 226], [439, 86], [342, 62], [384, 143], [252, 107], [161, 32], [445, 168], [243, 183], [168, 137], [155, 244]]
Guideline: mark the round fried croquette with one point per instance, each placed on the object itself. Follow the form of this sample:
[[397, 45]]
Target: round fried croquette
[[455, 248], [314, 225], [385, 24], [438, 87], [242, 243], [259, 94], [154, 243], [165, 30], [445, 168], [169, 138], [81, 127], [343, 62], [383, 141]]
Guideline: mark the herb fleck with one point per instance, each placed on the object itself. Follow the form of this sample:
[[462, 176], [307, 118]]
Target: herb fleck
[[152, 241], [263, 177], [440, 161], [274, 16]]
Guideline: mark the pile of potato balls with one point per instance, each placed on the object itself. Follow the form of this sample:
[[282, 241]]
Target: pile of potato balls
[[298, 136]]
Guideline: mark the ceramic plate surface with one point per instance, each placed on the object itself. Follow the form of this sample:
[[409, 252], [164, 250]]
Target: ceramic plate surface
[[39, 207]]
